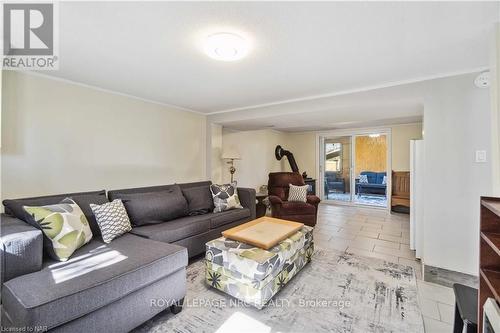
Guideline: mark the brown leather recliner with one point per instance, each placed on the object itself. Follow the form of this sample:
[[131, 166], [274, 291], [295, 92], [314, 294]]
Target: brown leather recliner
[[278, 187]]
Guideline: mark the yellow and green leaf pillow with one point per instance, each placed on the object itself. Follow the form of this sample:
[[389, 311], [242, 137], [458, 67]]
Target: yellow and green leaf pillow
[[64, 225]]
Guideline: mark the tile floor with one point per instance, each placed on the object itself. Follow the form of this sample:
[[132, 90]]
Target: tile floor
[[380, 234]]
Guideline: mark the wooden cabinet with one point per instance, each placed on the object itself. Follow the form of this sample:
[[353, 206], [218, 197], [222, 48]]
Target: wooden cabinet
[[400, 199], [489, 256]]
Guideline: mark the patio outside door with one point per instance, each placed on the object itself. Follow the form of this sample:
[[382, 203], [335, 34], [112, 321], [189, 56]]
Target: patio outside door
[[337, 166], [370, 169], [355, 168]]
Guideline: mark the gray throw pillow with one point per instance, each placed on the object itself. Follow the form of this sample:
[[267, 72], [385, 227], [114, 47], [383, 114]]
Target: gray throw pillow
[[225, 197], [199, 200]]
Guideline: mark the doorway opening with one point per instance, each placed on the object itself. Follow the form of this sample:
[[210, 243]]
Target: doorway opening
[[356, 168]]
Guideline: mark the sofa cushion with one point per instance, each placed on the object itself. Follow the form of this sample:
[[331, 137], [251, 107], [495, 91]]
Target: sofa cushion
[[96, 275], [83, 199], [195, 184], [371, 176], [381, 186], [380, 178], [154, 207], [199, 200], [297, 208], [175, 230], [222, 218]]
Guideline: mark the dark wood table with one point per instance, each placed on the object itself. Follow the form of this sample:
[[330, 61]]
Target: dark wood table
[[312, 185]]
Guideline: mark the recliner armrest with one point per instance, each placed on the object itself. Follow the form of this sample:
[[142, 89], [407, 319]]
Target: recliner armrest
[[21, 248], [247, 199], [313, 200], [274, 200]]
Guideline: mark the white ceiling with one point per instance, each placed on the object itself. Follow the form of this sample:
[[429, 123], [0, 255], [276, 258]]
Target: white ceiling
[[152, 50]]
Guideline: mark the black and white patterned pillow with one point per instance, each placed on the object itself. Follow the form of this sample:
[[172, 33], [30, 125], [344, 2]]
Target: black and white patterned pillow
[[298, 193], [225, 197], [112, 219]]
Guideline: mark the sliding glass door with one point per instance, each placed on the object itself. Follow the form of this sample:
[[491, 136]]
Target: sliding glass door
[[337, 169], [370, 169], [354, 168]]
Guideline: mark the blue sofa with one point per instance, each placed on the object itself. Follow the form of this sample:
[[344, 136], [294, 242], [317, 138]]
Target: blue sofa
[[374, 185]]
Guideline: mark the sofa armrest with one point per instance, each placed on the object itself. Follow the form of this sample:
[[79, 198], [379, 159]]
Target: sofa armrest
[[247, 199], [21, 248], [313, 200]]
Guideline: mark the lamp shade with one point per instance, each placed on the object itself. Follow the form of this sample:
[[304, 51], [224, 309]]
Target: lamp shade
[[231, 154]]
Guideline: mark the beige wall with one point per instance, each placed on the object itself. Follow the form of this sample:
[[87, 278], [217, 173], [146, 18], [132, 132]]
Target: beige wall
[[256, 149], [401, 136], [303, 147], [495, 108], [60, 137], [216, 163], [457, 122]]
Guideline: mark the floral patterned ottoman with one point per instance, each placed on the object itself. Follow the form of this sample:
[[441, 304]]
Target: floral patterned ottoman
[[255, 275]]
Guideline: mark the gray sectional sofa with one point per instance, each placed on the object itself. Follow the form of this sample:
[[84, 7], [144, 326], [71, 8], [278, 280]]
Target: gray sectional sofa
[[116, 286]]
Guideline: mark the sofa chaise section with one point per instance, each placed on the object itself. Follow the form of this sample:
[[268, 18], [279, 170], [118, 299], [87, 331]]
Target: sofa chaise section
[[96, 276], [68, 296], [20, 248]]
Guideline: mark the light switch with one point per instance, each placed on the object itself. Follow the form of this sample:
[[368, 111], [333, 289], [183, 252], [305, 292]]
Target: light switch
[[480, 156]]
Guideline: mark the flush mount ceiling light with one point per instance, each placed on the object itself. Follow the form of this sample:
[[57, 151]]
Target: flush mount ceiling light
[[226, 46]]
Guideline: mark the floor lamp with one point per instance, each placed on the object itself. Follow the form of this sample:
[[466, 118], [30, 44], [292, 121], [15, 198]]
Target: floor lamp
[[231, 157]]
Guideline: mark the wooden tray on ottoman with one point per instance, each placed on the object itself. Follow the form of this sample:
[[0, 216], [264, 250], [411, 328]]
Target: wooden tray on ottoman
[[264, 232]]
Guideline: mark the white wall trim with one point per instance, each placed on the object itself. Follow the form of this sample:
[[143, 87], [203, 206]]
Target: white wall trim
[[339, 129], [356, 131], [250, 107], [355, 90], [114, 92]]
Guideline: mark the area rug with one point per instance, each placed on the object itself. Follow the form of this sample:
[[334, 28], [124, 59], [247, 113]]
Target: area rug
[[336, 292]]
